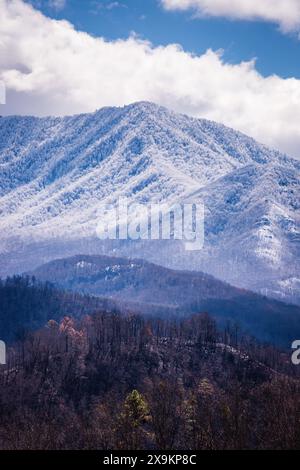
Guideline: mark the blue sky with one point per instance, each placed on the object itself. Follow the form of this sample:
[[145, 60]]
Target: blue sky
[[275, 53]]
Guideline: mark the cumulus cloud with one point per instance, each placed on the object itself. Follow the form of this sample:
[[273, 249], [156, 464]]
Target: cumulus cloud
[[286, 13], [50, 68]]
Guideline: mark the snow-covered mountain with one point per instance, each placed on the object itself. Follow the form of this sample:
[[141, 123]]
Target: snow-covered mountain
[[54, 173]]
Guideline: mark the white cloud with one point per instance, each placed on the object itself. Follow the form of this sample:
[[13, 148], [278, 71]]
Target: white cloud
[[54, 4], [112, 5], [286, 13], [98, 7], [57, 4], [50, 68]]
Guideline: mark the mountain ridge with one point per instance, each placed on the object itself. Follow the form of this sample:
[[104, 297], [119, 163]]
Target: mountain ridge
[[150, 289], [56, 171]]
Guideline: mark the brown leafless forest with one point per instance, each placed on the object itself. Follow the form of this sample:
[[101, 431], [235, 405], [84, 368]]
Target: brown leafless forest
[[107, 381]]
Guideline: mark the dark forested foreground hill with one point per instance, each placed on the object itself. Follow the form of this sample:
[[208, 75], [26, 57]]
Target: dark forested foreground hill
[[148, 288], [27, 304], [125, 382]]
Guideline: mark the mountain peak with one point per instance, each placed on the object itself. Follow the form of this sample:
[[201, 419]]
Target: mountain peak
[[54, 173]]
